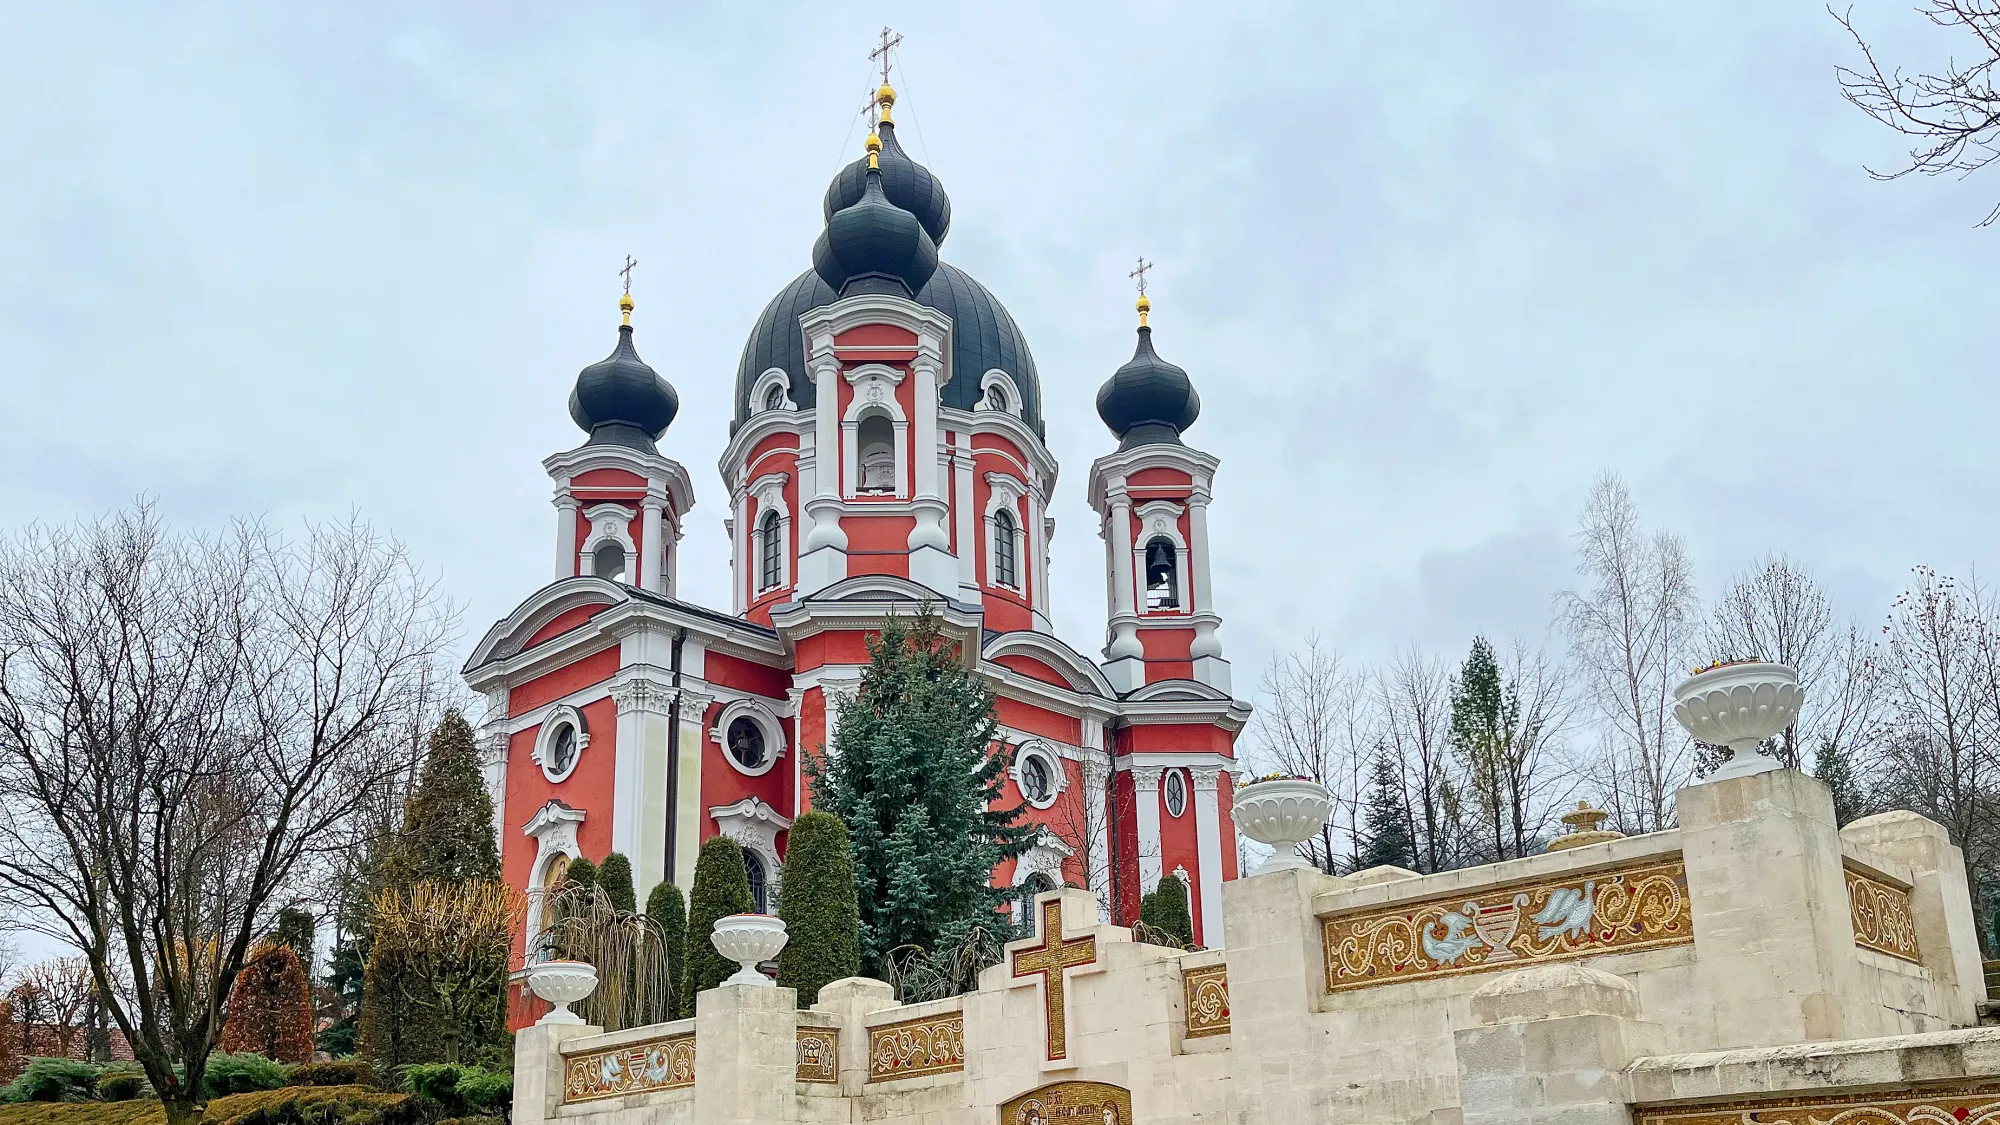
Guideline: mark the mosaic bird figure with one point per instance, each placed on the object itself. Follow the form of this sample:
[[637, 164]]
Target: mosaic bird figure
[[1452, 944], [1568, 911]]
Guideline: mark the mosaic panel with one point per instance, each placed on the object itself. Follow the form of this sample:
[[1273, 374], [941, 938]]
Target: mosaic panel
[[1969, 1105], [1881, 915], [655, 1064], [819, 1054], [1207, 1000], [1615, 911], [1078, 1103], [931, 1045]]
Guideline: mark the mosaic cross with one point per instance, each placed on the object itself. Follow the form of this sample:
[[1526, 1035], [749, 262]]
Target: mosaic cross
[[1048, 960]]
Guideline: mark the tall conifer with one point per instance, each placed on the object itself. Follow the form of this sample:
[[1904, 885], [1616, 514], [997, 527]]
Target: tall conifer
[[447, 834], [668, 910], [721, 888], [918, 781], [1391, 840], [822, 920], [615, 876]]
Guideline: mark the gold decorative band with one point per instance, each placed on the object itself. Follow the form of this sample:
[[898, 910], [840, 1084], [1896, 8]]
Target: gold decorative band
[[1973, 1105], [655, 1064], [819, 1054], [1881, 915], [931, 1045], [1207, 991]]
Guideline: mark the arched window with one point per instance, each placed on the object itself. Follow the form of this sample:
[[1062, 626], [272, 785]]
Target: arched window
[[996, 399], [753, 866], [770, 544], [774, 398], [1163, 588], [1003, 549], [875, 438], [1024, 900], [608, 561]]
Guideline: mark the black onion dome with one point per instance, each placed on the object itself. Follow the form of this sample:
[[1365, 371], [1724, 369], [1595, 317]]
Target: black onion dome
[[1148, 401], [983, 337], [906, 183], [875, 246], [621, 401]]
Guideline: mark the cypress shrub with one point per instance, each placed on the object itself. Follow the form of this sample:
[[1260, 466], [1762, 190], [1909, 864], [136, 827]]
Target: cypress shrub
[[721, 888], [1165, 909], [447, 834], [270, 1010], [581, 873], [393, 1030], [822, 918], [668, 910], [297, 928], [615, 876], [339, 1072]]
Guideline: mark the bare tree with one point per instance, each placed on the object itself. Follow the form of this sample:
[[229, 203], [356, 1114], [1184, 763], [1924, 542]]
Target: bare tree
[[64, 989], [1315, 720], [1778, 612], [1414, 695], [187, 727], [1629, 632], [1952, 115]]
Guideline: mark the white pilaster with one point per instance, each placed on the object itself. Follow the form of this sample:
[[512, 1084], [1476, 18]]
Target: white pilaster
[[1097, 855], [967, 512], [1208, 852], [1146, 799], [566, 506], [639, 779], [1037, 568], [1202, 598], [929, 541], [1126, 666], [652, 552], [823, 554]]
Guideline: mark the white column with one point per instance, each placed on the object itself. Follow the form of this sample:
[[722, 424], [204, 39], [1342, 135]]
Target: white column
[[1146, 798], [670, 560], [1201, 597], [651, 550], [740, 548], [929, 542], [823, 554], [566, 506], [1037, 569], [1097, 856], [1208, 851], [639, 779], [968, 519], [1125, 667]]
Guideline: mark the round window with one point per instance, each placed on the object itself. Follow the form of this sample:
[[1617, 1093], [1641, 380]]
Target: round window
[[1036, 784], [562, 751], [746, 743], [1176, 791]]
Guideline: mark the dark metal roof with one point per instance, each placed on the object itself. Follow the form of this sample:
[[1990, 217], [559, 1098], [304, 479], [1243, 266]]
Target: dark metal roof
[[983, 336], [875, 241], [908, 185], [1148, 401], [619, 400]]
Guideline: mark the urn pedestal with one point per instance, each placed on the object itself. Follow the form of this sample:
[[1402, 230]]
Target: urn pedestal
[[1282, 814], [1739, 706]]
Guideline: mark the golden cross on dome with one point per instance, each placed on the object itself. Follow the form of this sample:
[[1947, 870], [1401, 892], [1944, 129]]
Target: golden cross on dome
[[625, 302], [1145, 305], [890, 41], [1048, 960]]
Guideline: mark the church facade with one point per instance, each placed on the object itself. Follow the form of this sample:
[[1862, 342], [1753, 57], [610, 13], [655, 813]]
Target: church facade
[[887, 452]]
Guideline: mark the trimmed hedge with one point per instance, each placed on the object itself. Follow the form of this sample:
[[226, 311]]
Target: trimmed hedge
[[580, 873], [122, 1086], [721, 888], [339, 1072], [461, 1091], [54, 1080], [668, 910], [822, 918], [1165, 909], [615, 876], [242, 1073], [286, 1106]]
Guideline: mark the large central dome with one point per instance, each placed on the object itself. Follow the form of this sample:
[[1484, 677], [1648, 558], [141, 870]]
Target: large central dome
[[983, 335]]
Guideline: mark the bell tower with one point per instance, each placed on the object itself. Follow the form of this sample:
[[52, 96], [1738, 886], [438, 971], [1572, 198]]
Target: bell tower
[[1151, 497]]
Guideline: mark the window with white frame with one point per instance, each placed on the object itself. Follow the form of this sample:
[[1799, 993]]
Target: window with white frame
[[560, 743], [1163, 583], [1005, 565], [875, 437], [1174, 791], [1038, 774], [770, 547]]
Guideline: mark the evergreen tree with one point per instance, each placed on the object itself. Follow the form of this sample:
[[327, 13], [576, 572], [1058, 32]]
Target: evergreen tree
[[448, 834], [270, 1009], [1834, 766], [615, 876], [1391, 840], [394, 1029], [297, 930], [721, 888], [918, 781], [345, 970], [668, 910], [1165, 910], [581, 873], [822, 919], [1483, 711]]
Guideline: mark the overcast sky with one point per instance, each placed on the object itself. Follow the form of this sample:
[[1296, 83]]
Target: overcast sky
[[1432, 268]]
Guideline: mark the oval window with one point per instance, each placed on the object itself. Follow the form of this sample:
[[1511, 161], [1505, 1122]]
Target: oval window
[[1176, 793], [746, 743], [1036, 784], [562, 750]]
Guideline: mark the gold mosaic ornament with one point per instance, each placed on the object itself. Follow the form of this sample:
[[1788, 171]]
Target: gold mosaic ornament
[[931, 1045], [819, 1054], [1048, 960], [1881, 915], [1207, 992], [1969, 1105], [1615, 911], [1070, 1103], [655, 1064]]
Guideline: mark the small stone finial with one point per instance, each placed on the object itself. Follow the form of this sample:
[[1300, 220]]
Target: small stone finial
[[1586, 826]]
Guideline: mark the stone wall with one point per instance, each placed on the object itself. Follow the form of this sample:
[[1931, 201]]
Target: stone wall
[[1754, 953]]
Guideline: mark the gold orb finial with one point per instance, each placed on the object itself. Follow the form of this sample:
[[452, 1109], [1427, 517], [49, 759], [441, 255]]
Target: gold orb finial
[[884, 98], [1144, 305], [625, 307], [874, 146]]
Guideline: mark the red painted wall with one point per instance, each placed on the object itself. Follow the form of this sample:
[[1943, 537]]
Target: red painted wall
[[563, 622]]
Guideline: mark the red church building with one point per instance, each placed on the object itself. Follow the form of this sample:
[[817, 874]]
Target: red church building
[[887, 451]]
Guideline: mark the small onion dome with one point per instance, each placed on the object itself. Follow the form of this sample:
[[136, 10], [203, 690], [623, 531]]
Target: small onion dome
[[620, 400], [874, 246], [908, 184], [1148, 401]]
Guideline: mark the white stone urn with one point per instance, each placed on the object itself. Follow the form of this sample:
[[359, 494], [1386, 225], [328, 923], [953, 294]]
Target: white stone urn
[[562, 983], [749, 940], [1282, 814], [1739, 706]]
